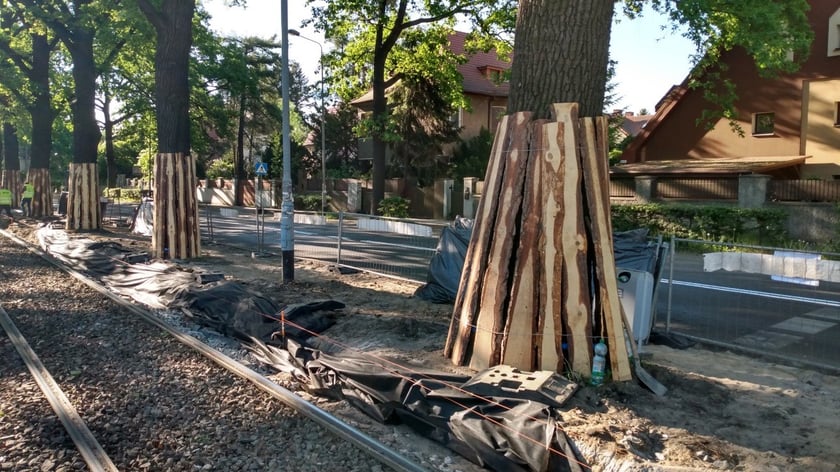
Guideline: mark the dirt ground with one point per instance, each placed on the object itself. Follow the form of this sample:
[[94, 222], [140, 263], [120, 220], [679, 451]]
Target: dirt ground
[[723, 411]]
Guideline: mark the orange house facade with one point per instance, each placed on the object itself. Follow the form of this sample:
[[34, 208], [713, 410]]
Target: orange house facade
[[784, 119]]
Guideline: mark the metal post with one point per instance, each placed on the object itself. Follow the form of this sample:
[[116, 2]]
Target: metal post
[[260, 222], [323, 122], [287, 209], [670, 286], [340, 226]]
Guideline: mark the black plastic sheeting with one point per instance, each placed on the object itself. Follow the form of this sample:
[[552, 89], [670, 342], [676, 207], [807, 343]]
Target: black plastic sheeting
[[226, 306], [500, 433], [447, 263], [632, 250]]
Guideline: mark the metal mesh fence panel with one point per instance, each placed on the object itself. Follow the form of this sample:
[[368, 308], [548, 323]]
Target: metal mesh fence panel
[[394, 247], [769, 301]]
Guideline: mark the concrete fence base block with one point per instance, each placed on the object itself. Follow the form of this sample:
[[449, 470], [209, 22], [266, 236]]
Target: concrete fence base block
[[306, 219], [400, 227], [229, 212]]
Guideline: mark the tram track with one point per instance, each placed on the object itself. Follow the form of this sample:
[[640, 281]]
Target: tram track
[[153, 397]]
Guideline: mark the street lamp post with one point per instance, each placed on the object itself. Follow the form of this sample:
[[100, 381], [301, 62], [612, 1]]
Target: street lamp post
[[323, 123], [287, 208]]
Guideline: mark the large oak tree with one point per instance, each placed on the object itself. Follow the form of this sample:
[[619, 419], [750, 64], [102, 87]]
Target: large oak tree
[[176, 229], [561, 55], [27, 50]]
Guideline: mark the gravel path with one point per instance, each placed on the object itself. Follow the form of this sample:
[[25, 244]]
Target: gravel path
[[152, 403]]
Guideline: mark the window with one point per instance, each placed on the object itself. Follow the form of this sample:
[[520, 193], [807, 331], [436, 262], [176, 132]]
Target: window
[[837, 114], [494, 74], [455, 118], [834, 34], [764, 124], [496, 114]]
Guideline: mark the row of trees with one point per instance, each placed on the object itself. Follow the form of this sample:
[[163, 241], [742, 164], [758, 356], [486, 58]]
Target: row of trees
[[171, 91]]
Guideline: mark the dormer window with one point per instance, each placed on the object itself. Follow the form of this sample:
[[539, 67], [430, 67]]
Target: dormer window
[[493, 74], [834, 34]]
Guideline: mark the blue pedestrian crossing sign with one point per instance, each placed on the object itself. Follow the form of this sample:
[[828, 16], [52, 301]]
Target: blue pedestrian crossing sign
[[261, 168]]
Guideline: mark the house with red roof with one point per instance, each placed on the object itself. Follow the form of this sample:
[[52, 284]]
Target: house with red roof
[[791, 123], [485, 87]]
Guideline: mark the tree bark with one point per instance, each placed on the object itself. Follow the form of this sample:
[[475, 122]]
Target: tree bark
[[110, 155], [83, 211], [83, 186], [42, 120], [42, 201], [380, 110], [561, 54], [176, 229], [11, 165], [175, 234], [239, 158]]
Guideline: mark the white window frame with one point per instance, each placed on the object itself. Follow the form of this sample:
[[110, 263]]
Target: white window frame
[[834, 34]]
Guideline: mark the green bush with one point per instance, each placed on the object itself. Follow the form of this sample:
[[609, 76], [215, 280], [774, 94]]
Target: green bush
[[310, 202], [394, 207], [762, 226], [122, 194]]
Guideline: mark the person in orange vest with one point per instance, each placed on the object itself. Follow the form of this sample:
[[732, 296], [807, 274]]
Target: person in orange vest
[[6, 202], [26, 198]]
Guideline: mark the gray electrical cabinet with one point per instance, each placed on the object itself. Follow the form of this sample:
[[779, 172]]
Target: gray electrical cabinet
[[635, 289]]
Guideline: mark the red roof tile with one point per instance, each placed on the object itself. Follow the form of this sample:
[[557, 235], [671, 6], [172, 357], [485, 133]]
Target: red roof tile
[[475, 80]]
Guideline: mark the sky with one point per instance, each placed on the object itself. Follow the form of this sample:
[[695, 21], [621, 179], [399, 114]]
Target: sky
[[650, 60]]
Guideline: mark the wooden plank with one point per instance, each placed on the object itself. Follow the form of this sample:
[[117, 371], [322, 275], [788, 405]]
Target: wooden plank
[[495, 289], [522, 314], [594, 160], [550, 326], [466, 301], [576, 291]]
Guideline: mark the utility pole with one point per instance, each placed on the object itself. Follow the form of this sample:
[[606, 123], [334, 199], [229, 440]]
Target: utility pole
[[287, 207]]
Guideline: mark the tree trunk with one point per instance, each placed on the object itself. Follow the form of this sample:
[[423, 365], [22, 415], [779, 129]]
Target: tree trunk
[[86, 136], [560, 55], [11, 166], [176, 229], [42, 120], [527, 294], [83, 212], [380, 114], [239, 158], [110, 155]]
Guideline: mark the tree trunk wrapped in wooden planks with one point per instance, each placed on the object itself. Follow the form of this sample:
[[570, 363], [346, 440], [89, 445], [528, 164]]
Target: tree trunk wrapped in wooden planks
[[11, 180], [176, 230], [461, 328], [42, 202], [538, 287], [82, 198]]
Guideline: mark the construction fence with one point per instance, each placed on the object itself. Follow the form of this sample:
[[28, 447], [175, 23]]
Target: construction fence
[[774, 302]]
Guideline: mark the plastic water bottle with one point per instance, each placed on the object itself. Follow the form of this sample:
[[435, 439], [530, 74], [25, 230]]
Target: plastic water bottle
[[599, 363]]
